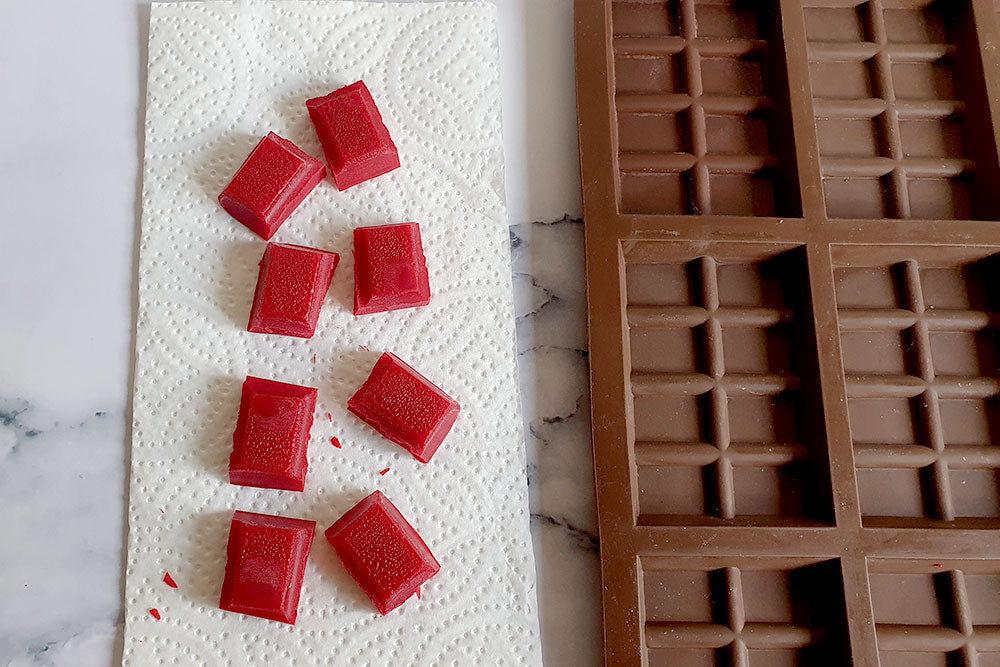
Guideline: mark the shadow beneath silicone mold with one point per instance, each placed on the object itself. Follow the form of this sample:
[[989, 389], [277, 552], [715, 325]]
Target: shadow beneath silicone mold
[[142, 35], [205, 566], [238, 280], [215, 441]]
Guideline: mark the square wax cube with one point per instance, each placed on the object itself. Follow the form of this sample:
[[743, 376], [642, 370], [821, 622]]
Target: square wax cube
[[270, 184], [405, 407], [382, 551], [291, 286], [272, 435], [265, 561], [390, 271], [355, 141]]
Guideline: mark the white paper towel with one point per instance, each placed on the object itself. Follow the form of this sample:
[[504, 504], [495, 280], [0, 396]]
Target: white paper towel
[[221, 75]]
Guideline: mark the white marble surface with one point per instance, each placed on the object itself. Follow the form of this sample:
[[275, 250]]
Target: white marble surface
[[69, 176]]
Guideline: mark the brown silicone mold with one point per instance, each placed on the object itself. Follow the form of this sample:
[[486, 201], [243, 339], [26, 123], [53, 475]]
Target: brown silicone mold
[[793, 255]]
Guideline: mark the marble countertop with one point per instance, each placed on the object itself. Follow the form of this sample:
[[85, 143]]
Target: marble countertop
[[72, 117]]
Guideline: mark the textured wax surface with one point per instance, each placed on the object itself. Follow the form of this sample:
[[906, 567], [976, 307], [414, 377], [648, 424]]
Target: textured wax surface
[[291, 288], [355, 140], [382, 551], [390, 270], [265, 561], [272, 434], [239, 71], [404, 406], [274, 179]]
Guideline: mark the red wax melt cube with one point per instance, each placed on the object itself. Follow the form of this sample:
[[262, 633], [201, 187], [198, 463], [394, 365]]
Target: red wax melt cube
[[355, 141], [265, 561], [390, 271], [270, 184], [272, 434], [405, 407], [291, 286], [382, 552]]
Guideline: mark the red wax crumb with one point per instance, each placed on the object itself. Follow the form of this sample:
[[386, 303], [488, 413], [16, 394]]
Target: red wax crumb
[[405, 407], [270, 184], [161, 511], [355, 141], [168, 580], [265, 561], [418, 593], [335, 442], [291, 287], [155, 613], [390, 271], [271, 436], [330, 417], [314, 358], [383, 472], [382, 551], [937, 565]]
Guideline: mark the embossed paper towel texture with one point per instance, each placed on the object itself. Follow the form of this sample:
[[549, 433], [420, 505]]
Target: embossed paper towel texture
[[221, 75]]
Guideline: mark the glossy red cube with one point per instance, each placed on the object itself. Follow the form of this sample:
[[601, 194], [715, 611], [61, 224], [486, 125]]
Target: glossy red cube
[[291, 287], [272, 435], [270, 184], [405, 407], [390, 271], [355, 141], [382, 551], [265, 561]]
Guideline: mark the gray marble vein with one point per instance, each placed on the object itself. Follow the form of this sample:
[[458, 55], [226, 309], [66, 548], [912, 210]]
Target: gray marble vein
[[550, 302]]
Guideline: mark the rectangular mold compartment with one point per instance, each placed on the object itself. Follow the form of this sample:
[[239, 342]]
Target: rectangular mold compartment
[[935, 612], [726, 412], [717, 611], [918, 340], [703, 120], [912, 73]]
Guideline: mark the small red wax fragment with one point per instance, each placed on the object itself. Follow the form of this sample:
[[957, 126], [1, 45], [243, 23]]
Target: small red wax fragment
[[937, 565], [265, 561], [271, 436], [168, 580], [155, 613], [314, 356], [405, 407], [418, 593], [383, 552], [335, 442], [390, 271], [330, 417], [383, 472], [355, 141], [291, 286], [161, 511], [270, 184]]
